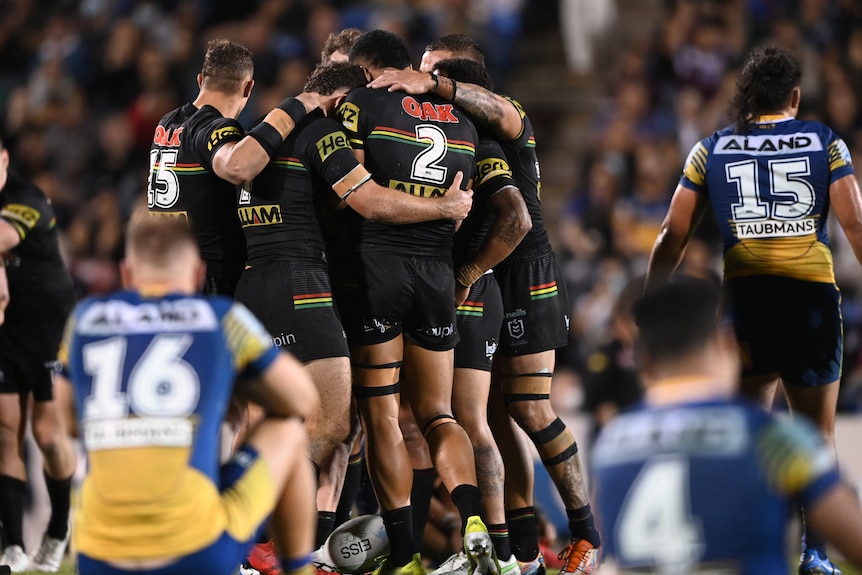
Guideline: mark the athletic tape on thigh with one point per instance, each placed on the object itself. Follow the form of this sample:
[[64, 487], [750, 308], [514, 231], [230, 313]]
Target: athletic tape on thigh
[[437, 418], [527, 387], [555, 443], [365, 392]]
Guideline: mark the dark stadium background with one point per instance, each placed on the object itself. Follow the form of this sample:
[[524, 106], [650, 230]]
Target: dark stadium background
[[618, 91]]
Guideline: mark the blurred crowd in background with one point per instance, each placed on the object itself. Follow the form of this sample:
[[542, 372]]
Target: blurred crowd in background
[[83, 84]]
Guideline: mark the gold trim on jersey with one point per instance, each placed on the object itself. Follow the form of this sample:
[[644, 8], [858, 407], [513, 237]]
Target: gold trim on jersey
[[802, 257]]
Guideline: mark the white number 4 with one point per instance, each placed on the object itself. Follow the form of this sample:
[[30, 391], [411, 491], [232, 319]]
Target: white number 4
[[655, 526], [161, 383]]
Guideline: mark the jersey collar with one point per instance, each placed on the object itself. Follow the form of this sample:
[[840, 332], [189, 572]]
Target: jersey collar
[[772, 118]]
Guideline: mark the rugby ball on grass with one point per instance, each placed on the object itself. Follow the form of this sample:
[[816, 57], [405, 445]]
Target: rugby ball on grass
[[358, 545]]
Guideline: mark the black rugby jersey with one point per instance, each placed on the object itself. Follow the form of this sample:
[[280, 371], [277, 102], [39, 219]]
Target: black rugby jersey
[[182, 182], [414, 144], [521, 154], [492, 175], [39, 283], [278, 210]]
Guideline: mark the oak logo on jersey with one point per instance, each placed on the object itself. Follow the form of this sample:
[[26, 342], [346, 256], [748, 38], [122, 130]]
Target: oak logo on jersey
[[328, 144], [768, 145], [265, 215], [21, 214], [349, 113], [163, 137], [420, 190], [490, 168], [220, 134], [426, 111]]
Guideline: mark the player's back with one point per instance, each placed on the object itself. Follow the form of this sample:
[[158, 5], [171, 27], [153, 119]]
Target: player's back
[[152, 380], [414, 144], [704, 486], [770, 191]]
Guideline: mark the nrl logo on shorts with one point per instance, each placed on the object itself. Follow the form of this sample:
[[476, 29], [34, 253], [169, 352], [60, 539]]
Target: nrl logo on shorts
[[516, 328]]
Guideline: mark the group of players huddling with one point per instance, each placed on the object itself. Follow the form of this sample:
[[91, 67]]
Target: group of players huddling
[[383, 227]]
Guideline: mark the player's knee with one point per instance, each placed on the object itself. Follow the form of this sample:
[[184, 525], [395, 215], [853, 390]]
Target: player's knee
[[432, 424]]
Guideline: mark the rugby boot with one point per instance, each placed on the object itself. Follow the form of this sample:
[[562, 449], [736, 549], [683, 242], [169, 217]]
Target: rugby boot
[[579, 557], [479, 548], [814, 563]]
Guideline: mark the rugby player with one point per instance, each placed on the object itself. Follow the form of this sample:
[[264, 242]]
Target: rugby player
[[771, 180], [151, 371], [497, 223], [536, 322], [39, 294], [415, 145], [337, 45], [286, 281], [696, 480], [200, 152]]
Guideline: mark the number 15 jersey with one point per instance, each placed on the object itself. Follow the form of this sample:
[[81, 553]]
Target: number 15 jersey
[[770, 192], [414, 144]]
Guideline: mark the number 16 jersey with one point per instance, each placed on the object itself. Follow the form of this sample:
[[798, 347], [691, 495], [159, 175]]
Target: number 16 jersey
[[414, 144], [770, 192]]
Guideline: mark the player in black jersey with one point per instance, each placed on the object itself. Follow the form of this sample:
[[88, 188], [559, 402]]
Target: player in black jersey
[[286, 282], [536, 320], [415, 145], [200, 152], [40, 296]]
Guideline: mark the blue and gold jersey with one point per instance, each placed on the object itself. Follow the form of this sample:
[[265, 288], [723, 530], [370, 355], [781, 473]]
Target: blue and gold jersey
[[152, 379], [705, 487], [770, 193]]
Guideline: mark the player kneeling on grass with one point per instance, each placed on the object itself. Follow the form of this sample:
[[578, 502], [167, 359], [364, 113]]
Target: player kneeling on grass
[[151, 371]]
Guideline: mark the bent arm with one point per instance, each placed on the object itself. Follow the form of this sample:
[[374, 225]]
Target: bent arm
[[285, 389], [509, 228], [687, 208], [846, 200]]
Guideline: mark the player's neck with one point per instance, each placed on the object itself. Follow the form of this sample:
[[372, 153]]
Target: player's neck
[[686, 388], [228, 105], [158, 288]]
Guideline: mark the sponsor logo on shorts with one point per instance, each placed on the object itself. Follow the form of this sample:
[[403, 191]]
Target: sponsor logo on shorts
[[474, 308], [490, 348], [375, 324], [520, 312], [440, 331], [283, 339], [312, 300], [265, 215], [330, 143], [516, 328], [775, 228], [420, 190], [543, 291]]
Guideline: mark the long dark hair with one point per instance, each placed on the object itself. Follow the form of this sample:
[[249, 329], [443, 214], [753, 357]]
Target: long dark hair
[[764, 85]]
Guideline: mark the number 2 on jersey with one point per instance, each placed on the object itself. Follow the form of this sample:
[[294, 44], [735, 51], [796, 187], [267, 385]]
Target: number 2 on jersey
[[163, 186], [790, 196], [161, 383], [655, 526], [426, 166]]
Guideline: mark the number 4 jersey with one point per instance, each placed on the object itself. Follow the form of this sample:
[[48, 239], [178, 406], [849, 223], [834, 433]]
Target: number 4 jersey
[[152, 379], [770, 193], [705, 487]]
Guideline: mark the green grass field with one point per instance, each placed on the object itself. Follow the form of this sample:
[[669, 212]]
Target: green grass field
[[68, 569]]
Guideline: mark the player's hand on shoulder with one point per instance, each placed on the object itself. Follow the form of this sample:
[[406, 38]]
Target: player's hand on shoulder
[[457, 202], [410, 81]]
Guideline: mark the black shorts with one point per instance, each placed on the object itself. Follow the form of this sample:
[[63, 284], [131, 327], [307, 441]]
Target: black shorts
[[293, 300], [479, 319], [28, 356], [535, 304], [787, 326], [410, 294]]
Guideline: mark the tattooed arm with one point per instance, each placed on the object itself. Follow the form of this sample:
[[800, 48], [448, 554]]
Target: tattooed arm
[[498, 114]]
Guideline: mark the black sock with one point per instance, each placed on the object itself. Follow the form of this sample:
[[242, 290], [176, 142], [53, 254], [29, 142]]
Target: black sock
[[12, 493], [325, 525], [420, 500], [582, 525], [59, 492], [468, 499], [500, 537], [399, 529], [523, 534], [348, 492]]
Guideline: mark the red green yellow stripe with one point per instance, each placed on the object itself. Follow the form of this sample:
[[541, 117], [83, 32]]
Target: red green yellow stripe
[[531, 142], [544, 290], [396, 135], [288, 163], [188, 169], [474, 308], [310, 300]]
